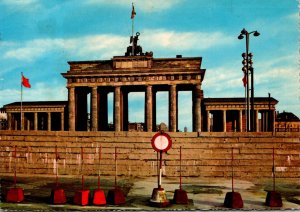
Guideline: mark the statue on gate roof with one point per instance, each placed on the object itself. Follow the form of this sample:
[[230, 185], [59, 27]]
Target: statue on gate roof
[[136, 49]]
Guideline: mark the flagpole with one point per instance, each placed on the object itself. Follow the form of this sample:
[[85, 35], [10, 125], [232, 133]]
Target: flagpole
[[21, 125], [132, 18]]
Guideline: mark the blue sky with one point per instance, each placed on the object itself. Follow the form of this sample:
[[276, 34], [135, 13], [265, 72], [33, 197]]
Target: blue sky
[[38, 37]]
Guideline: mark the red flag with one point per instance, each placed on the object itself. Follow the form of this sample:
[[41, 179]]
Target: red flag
[[133, 13], [244, 80], [25, 82]]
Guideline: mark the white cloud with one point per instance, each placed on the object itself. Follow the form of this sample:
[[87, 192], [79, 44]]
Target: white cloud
[[293, 17], [106, 45], [86, 46], [38, 92], [163, 39], [144, 6], [22, 4]]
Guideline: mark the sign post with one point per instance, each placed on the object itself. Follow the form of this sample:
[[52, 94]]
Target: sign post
[[161, 142], [180, 195], [57, 194], [15, 194], [233, 199], [273, 198]]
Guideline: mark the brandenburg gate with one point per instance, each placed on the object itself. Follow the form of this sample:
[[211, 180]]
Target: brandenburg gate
[[131, 73]]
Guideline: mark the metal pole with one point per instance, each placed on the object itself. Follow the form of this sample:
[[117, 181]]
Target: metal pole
[[21, 118], [15, 171], [246, 113], [132, 31], [252, 102], [269, 114], [157, 159], [115, 167], [160, 169], [247, 78], [180, 185], [82, 178], [273, 170], [232, 170], [56, 157], [100, 150]]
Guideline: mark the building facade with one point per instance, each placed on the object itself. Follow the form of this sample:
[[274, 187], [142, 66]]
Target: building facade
[[287, 122], [48, 115]]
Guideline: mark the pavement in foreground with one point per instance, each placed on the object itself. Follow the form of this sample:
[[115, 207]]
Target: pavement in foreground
[[203, 193]]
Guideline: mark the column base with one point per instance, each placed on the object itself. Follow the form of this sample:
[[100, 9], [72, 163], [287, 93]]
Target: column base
[[58, 196], [81, 197], [233, 200], [180, 197], [99, 197], [159, 198], [15, 195], [273, 199], [116, 197]]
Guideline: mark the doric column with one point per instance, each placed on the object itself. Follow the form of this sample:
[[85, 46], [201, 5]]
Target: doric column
[[28, 124], [22, 121], [35, 121], [9, 121], [16, 125], [256, 121], [71, 99], [197, 108], [94, 108], [262, 121], [241, 120], [149, 107], [224, 120], [49, 121], [62, 121], [273, 120], [124, 109], [172, 109], [117, 108], [208, 121]]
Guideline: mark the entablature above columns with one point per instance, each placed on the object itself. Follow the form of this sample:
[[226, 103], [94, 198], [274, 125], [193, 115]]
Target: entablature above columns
[[238, 107], [135, 80], [35, 110]]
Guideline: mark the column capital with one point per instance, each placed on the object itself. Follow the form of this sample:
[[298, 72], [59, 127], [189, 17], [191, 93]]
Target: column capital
[[71, 100], [70, 86]]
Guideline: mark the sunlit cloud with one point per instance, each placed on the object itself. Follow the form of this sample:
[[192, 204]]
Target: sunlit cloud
[[25, 5], [38, 92], [106, 45], [163, 39]]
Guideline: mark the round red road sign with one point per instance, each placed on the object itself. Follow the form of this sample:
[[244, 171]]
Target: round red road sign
[[161, 142]]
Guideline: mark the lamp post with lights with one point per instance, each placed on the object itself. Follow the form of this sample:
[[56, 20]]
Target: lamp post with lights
[[248, 69]]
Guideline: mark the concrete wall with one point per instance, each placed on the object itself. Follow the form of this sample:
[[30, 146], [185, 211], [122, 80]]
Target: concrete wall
[[204, 154]]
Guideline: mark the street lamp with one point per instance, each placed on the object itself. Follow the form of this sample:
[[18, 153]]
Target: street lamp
[[247, 62]]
